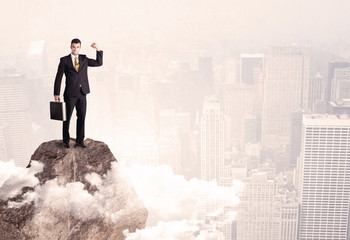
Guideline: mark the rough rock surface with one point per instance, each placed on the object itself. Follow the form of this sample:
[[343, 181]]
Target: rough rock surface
[[38, 220]]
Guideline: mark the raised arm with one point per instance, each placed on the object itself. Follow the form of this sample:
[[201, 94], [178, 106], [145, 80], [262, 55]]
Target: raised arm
[[99, 57], [58, 80]]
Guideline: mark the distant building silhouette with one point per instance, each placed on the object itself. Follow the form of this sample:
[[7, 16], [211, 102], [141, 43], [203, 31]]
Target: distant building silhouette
[[295, 141], [286, 89], [316, 91], [250, 62], [3, 142], [237, 103], [15, 114], [331, 69], [212, 140], [341, 84]]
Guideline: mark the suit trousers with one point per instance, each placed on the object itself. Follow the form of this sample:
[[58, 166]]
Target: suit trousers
[[79, 102]]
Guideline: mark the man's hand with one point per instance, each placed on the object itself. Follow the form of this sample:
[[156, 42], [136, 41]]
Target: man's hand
[[94, 45], [57, 98]]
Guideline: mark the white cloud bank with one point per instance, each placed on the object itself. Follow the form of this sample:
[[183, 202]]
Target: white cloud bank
[[170, 199], [13, 179]]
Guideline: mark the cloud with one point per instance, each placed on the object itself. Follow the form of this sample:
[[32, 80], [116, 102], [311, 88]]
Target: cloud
[[174, 230], [13, 179], [170, 199], [112, 198]]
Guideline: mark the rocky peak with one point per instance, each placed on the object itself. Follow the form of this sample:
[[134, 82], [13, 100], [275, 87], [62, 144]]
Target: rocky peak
[[81, 193]]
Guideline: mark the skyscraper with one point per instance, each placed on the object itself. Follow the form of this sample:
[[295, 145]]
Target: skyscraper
[[212, 162], [3, 137], [14, 112], [341, 84], [324, 177], [259, 213], [316, 91], [289, 220], [212, 140], [174, 121], [237, 103], [296, 123], [250, 62], [285, 90], [169, 150], [331, 68]]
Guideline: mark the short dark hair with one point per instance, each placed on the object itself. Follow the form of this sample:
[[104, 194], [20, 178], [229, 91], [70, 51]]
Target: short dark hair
[[75, 40]]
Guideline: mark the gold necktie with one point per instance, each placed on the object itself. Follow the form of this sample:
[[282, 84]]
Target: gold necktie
[[76, 64]]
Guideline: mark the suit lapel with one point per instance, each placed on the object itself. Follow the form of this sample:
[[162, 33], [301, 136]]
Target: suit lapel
[[81, 60], [69, 61]]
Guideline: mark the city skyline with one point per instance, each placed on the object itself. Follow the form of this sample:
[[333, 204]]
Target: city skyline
[[218, 95]]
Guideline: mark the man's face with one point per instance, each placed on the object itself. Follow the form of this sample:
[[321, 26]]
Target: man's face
[[75, 47]]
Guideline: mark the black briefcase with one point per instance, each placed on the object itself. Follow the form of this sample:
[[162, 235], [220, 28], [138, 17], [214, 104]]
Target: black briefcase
[[58, 111]]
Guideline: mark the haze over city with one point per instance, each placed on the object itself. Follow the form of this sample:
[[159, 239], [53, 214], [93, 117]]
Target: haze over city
[[195, 99]]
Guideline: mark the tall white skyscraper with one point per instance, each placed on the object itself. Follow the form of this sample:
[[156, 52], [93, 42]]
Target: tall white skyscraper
[[324, 177], [285, 90], [14, 113], [212, 161], [212, 140]]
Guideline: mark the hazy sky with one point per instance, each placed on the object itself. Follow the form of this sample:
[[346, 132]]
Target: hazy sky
[[180, 22], [171, 25]]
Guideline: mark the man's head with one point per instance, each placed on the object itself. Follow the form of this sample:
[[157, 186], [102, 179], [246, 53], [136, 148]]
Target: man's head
[[75, 46]]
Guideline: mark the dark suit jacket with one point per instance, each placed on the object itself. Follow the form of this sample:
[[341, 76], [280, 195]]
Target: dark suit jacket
[[75, 79]]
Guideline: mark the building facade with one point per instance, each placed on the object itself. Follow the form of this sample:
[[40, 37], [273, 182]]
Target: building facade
[[324, 177], [286, 89]]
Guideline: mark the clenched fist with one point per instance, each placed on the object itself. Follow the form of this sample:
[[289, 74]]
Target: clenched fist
[[94, 45]]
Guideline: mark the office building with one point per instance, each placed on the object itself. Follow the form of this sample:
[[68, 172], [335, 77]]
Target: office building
[[169, 150], [339, 107], [250, 62], [174, 121], [212, 140], [341, 84], [331, 68], [296, 124], [212, 160], [316, 92], [14, 113], [286, 89], [324, 177], [237, 103], [259, 213], [3, 137], [289, 220]]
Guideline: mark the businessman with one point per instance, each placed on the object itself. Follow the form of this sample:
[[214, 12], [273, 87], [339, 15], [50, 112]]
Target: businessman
[[75, 66]]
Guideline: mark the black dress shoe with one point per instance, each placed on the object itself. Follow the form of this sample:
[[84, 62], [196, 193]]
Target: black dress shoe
[[66, 145], [82, 145]]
